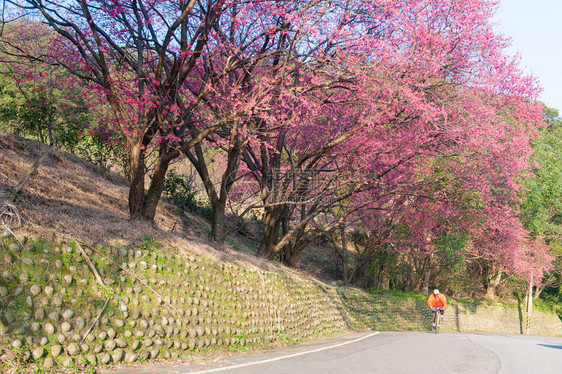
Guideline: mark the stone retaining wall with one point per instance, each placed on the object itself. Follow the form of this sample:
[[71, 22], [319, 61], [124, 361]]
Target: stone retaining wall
[[53, 312], [388, 312]]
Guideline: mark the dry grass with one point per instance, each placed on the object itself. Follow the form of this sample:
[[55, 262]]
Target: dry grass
[[71, 198], [9, 214]]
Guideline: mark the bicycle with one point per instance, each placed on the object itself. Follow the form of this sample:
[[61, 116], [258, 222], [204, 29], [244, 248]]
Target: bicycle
[[437, 318]]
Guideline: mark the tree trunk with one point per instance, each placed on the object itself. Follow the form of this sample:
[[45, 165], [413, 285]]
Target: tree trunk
[[288, 256], [217, 225], [217, 199], [426, 278], [293, 250], [344, 257], [51, 137], [270, 234], [539, 290], [154, 193], [292, 259], [136, 181], [287, 253], [17, 188], [385, 281], [227, 181], [493, 285], [417, 275], [545, 283]]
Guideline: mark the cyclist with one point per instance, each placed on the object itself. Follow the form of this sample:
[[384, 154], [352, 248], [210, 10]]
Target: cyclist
[[437, 302]]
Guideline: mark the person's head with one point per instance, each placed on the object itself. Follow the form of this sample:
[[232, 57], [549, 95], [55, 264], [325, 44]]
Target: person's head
[[436, 291]]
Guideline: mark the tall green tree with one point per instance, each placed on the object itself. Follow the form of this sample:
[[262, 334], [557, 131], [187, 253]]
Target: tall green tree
[[541, 208]]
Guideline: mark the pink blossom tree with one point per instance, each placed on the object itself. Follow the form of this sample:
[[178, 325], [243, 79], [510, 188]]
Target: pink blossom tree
[[430, 90], [143, 57]]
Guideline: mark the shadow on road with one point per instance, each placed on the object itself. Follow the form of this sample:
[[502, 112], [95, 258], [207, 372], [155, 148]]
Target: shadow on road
[[551, 346]]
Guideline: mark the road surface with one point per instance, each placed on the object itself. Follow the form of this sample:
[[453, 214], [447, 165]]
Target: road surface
[[393, 352]]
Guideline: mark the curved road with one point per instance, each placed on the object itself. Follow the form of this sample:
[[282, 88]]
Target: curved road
[[395, 352]]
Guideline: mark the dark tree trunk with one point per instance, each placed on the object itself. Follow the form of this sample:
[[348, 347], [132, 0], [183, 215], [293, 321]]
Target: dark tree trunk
[[288, 251], [154, 193], [227, 181], [217, 225], [270, 234], [291, 256], [344, 257]]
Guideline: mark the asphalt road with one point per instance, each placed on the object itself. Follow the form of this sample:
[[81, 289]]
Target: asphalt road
[[395, 352]]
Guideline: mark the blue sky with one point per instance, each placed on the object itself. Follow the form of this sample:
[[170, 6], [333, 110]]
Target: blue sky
[[535, 28]]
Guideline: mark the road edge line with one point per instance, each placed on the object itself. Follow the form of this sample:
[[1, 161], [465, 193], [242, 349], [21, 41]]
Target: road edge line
[[282, 357]]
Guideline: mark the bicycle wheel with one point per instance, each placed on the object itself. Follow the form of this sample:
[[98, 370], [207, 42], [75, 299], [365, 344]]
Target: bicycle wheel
[[436, 322]]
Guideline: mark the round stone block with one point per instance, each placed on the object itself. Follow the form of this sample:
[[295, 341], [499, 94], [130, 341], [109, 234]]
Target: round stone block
[[109, 345], [105, 359], [68, 314], [73, 349], [49, 363], [118, 355], [35, 290], [56, 350], [66, 327], [38, 353]]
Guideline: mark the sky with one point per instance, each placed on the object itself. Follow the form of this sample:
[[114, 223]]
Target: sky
[[535, 28]]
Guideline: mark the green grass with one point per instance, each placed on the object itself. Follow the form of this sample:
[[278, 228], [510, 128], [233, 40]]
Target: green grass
[[472, 302], [422, 296], [397, 293]]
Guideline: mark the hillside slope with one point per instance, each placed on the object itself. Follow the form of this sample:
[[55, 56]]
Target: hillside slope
[[72, 197]]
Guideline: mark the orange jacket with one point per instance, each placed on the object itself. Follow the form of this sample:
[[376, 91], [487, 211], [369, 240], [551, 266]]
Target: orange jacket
[[437, 301]]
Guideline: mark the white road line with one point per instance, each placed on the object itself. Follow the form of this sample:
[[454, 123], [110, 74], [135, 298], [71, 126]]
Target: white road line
[[282, 357]]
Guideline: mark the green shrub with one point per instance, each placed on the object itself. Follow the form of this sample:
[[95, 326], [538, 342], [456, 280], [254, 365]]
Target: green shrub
[[180, 190]]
